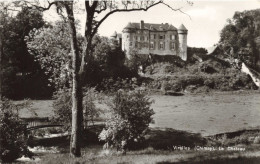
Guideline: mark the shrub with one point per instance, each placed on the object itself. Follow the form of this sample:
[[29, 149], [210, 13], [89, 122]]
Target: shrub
[[130, 118], [62, 108], [90, 111], [12, 139], [209, 82], [113, 85], [63, 104]]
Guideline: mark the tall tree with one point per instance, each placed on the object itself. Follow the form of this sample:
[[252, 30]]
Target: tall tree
[[239, 37], [2, 22], [1, 52], [80, 62], [22, 76]]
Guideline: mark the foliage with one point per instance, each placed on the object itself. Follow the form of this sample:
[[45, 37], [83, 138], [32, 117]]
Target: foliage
[[90, 111], [194, 50], [52, 50], [19, 68], [106, 53], [113, 85], [238, 38], [63, 104], [231, 80], [12, 138], [136, 61], [108, 64], [130, 118]]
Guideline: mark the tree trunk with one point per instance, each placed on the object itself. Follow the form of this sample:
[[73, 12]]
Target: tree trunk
[[1, 54], [1, 71], [77, 95]]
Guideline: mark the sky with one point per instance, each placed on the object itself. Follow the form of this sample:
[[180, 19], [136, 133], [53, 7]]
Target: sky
[[204, 19]]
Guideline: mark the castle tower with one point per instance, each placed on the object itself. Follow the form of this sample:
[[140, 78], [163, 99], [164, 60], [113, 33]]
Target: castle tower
[[182, 33], [126, 38]]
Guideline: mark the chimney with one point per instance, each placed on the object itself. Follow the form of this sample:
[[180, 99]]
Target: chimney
[[142, 24]]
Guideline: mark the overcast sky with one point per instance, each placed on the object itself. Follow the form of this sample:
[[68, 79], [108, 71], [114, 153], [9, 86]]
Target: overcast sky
[[207, 18]]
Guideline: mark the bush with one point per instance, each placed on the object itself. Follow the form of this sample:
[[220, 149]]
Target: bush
[[113, 85], [63, 104], [62, 108], [130, 118], [12, 139], [136, 60]]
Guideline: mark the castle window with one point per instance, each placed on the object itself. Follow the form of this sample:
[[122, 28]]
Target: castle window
[[136, 45], [131, 44], [142, 37], [161, 36], [139, 45], [172, 37], [147, 38], [172, 45], [135, 37], [161, 45], [152, 45]]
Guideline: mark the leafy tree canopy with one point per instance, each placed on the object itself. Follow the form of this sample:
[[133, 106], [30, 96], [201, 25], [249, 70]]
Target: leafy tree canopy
[[19, 69], [240, 37]]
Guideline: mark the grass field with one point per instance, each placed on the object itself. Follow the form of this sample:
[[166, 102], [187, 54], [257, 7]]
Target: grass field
[[207, 114]]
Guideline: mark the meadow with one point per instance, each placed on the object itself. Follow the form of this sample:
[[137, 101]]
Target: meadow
[[205, 113]]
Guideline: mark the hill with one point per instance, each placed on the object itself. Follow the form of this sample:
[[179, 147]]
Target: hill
[[201, 73]]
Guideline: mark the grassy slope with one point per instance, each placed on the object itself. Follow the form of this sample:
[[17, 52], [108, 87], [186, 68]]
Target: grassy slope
[[199, 74]]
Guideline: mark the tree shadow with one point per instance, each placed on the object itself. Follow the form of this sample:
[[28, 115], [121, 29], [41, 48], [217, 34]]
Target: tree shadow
[[166, 139], [239, 160]]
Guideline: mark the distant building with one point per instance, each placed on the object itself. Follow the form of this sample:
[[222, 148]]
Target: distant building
[[160, 39], [116, 38]]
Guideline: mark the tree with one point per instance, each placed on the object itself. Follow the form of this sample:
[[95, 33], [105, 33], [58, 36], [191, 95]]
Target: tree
[[20, 72], [239, 37], [1, 49], [51, 48], [80, 62], [13, 142], [3, 20]]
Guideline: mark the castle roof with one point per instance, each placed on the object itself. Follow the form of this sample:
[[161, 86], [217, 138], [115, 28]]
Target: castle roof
[[182, 27], [151, 26], [129, 25], [114, 34], [119, 35]]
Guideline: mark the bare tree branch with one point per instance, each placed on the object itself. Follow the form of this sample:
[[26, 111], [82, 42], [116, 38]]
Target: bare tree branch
[[123, 10], [40, 7], [102, 9], [140, 7], [179, 9]]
